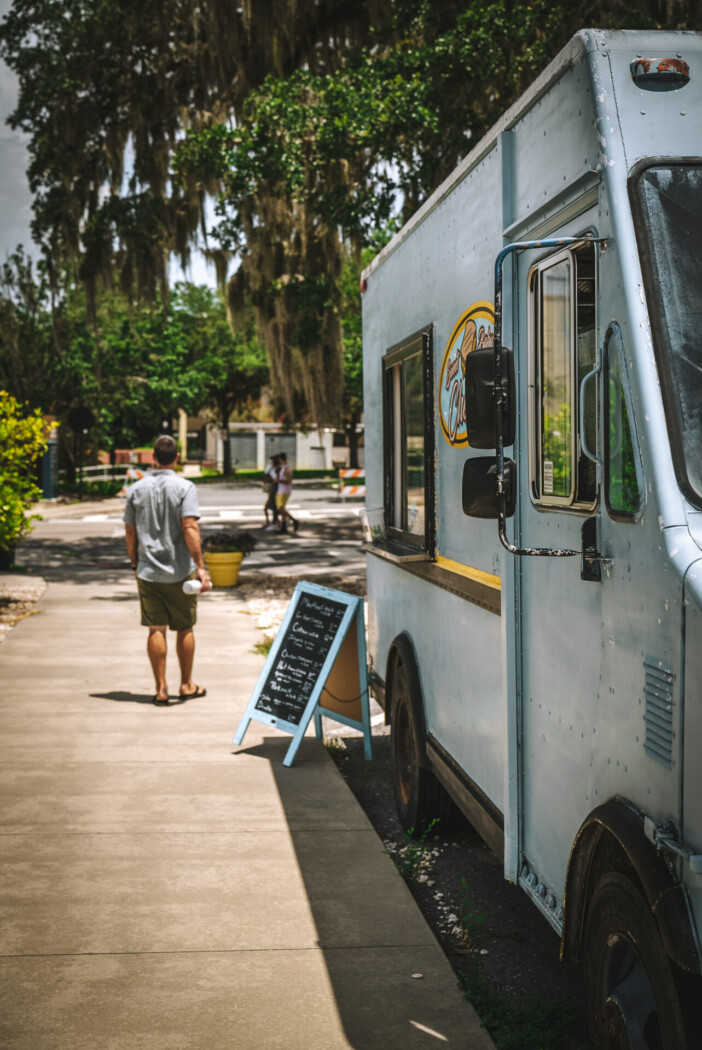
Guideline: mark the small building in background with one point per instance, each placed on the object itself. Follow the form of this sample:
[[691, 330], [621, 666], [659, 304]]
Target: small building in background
[[252, 445]]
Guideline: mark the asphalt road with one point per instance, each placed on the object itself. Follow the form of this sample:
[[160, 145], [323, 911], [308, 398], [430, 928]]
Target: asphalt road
[[91, 536]]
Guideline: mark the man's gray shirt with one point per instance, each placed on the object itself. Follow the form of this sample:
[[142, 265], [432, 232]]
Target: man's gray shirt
[[155, 505]]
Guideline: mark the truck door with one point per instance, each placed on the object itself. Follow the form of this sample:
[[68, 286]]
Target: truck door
[[559, 615]]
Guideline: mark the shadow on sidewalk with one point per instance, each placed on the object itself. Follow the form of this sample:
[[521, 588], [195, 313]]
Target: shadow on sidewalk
[[139, 698], [370, 933], [87, 560], [122, 697]]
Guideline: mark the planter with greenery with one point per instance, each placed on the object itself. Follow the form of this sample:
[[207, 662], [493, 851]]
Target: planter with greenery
[[224, 552]]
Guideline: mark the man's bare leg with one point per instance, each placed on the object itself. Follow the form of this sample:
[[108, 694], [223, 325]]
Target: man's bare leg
[[185, 648], [156, 647]]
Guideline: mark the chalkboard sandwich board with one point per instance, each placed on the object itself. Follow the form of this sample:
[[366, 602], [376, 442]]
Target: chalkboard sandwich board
[[316, 666]]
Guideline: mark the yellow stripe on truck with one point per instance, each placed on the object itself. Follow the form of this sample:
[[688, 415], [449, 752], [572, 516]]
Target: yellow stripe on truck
[[470, 573]]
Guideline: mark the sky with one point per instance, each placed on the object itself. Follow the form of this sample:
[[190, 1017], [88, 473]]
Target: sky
[[16, 200]]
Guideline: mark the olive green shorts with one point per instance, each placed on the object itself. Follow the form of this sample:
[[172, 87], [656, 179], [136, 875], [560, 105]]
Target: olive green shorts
[[165, 603]]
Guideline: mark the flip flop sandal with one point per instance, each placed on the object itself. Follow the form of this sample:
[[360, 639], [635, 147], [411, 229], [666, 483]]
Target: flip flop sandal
[[194, 696], [159, 703]]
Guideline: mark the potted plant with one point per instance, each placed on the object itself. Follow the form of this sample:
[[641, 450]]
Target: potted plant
[[224, 552]]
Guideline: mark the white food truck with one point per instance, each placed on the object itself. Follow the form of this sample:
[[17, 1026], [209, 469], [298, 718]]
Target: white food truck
[[533, 415]]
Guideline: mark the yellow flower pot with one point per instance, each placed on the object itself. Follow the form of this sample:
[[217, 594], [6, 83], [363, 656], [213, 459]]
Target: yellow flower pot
[[223, 568]]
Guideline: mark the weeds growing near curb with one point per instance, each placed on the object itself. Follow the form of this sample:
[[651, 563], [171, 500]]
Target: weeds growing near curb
[[410, 860], [531, 1026], [471, 919], [334, 745], [263, 648]]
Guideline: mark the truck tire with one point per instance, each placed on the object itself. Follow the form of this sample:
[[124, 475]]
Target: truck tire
[[630, 988], [419, 797]]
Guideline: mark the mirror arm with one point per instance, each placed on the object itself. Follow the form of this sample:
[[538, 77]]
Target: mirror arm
[[547, 552]]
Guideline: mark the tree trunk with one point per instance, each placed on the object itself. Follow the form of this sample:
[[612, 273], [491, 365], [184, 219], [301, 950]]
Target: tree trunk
[[353, 440], [227, 464], [7, 558]]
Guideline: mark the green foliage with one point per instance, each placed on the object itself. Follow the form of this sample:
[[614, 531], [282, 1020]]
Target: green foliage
[[351, 324], [414, 855], [471, 919], [531, 1026], [224, 368], [623, 485], [263, 648], [230, 543], [312, 125], [557, 440], [21, 443], [97, 489], [134, 366]]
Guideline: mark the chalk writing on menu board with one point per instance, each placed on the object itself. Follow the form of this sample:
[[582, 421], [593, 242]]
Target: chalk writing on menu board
[[300, 658]]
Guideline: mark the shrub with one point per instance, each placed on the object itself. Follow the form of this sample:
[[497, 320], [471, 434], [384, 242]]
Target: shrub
[[229, 542], [22, 441]]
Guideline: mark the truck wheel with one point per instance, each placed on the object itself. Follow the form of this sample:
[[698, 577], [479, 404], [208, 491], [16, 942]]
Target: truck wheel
[[419, 796], [632, 998]]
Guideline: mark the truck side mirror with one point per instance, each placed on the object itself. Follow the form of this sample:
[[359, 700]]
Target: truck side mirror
[[480, 487], [480, 400]]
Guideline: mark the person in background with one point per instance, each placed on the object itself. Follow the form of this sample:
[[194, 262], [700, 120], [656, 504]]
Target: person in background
[[163, 544], [285, 478], [270, 486]]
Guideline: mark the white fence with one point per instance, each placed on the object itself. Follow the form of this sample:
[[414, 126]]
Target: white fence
[[124, 472]]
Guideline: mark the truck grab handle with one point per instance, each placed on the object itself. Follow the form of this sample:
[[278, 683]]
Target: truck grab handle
[[583, 440]]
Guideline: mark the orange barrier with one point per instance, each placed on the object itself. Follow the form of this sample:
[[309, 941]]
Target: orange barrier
[[347, 473], [132, 474]]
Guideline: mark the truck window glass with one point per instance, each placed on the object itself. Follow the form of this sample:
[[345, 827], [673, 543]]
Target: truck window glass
[[409, 440], [586, 298], [563, 292], [414, 445], [622, 490], [556, 383], [668, 210]]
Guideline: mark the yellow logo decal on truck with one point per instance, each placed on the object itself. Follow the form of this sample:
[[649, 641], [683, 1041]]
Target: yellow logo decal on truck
[[474, 330]]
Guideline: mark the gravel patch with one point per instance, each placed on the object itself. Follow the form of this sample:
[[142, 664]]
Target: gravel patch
[[18, 598]]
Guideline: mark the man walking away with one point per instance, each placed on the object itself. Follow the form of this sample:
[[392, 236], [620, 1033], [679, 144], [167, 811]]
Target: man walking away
[[163, 544], [285, 477]]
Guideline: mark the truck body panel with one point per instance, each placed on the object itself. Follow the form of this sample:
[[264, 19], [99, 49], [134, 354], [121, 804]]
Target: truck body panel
[[548, 691]]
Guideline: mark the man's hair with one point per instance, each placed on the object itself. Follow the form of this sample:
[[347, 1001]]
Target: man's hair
[[283, 456], [165, 450]]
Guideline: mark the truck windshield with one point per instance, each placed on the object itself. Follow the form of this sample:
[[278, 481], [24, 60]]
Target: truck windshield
[[669, 199]]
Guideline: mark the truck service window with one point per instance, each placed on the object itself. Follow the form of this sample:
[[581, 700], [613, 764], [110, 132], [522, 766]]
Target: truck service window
[[667, 202], [563, 340], [409, 440]]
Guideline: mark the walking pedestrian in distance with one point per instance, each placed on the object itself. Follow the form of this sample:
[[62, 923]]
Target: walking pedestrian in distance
[[163, 544], [285, 479], [270, 486]]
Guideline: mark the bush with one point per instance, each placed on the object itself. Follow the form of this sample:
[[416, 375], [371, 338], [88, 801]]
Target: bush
[[229, 543], [22, 441], [92, 488]]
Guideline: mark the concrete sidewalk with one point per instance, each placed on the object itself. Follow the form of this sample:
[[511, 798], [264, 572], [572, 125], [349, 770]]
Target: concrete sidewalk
[[162, 891]]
